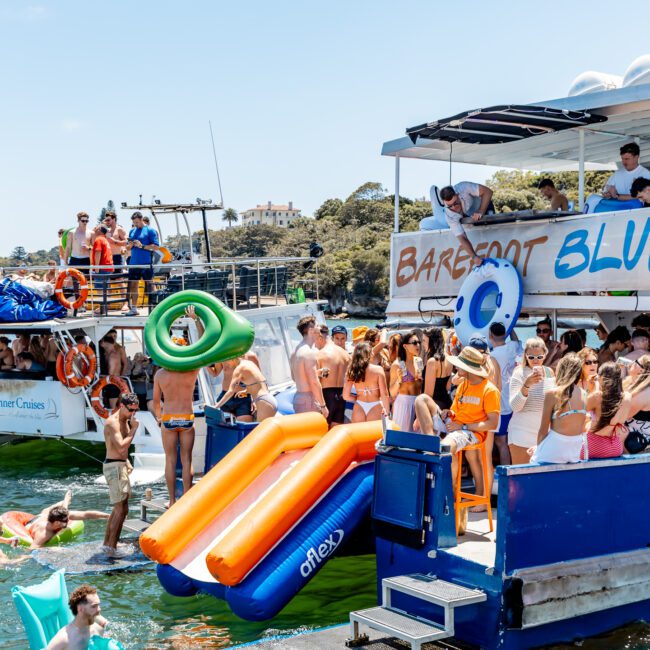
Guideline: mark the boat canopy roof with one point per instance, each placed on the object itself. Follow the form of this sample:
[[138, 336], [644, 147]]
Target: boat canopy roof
[[541, 136]]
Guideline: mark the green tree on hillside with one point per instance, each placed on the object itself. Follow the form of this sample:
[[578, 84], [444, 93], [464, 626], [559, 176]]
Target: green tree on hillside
[[230, 215], [18, 254]]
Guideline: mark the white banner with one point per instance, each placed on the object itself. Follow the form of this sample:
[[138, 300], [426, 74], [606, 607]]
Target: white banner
[[601, 252], [40, 407]]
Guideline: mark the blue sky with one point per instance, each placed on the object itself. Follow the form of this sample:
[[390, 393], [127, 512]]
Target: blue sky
[[112, 99]]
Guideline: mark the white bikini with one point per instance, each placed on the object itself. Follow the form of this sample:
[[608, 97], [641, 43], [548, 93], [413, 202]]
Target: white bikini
[[366, 406]]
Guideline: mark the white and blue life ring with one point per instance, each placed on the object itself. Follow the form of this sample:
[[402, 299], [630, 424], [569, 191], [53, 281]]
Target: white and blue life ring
[[491, 293]]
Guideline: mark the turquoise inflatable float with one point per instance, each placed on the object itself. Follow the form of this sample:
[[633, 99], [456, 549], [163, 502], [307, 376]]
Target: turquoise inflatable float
[[227, 334], [43, 609]]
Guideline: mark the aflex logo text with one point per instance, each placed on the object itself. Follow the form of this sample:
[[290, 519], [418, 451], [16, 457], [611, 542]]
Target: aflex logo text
[[316, 555]]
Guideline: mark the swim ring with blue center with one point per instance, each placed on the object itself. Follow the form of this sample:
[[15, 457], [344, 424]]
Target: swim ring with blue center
[[227, 333], [491, 293]]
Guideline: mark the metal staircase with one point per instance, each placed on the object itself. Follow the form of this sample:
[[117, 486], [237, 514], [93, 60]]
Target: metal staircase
[[414, 629]]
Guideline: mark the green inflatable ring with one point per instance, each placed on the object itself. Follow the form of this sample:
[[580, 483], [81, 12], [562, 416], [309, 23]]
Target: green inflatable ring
[[227, 334], [73, 530]]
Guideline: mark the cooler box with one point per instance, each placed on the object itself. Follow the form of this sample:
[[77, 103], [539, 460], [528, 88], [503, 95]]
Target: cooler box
[[222, 435]]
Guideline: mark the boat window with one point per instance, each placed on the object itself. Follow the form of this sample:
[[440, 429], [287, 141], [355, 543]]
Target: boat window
[[269, 347], [294, 334]]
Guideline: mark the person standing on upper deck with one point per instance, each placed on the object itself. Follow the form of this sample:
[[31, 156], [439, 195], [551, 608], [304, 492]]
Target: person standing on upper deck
[[619, 184], [142, 242], [559, 202], [466, 199]]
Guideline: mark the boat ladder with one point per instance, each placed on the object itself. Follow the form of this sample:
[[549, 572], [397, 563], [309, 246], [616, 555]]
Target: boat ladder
[[414, 629], [140, 525]]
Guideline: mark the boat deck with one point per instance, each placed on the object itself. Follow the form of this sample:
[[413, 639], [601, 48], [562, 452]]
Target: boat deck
[[332, 638], [478, 544]]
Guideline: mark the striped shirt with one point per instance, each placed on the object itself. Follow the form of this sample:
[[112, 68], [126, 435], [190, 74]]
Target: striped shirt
[[526, 410]]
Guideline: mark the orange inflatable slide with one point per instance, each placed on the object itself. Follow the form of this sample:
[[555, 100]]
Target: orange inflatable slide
[[240, 510]]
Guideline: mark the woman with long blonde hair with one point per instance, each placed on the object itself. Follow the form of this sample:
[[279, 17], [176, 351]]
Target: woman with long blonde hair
[[560, 435], [528, 384], [589, 377]]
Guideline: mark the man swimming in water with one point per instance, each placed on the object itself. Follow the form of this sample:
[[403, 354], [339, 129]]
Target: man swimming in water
[[85, 606], [55, 518]]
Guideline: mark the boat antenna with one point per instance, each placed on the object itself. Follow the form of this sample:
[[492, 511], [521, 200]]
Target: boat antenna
[[216, 164]]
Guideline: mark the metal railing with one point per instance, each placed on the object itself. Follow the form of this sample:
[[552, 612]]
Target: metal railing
[[241, 283]]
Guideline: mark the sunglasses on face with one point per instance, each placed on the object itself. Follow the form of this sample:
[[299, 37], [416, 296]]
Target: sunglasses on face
[[413, 343], [532, 357], [543, 331], [591, 362], [135, 410], [83, 220]]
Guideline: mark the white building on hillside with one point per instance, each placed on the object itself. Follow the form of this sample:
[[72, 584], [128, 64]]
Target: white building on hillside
[[270, 215]]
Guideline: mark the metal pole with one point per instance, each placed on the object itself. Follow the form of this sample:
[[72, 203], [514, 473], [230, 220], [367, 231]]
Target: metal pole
[[396, 220], [234, 287], [581, 170], [258, 282], [208, 252]]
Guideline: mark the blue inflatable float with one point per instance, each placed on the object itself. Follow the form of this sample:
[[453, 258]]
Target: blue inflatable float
[[296, 560]]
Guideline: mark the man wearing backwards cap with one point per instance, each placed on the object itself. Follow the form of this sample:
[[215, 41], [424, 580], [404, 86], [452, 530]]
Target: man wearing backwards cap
[[473, 413], [339, 336]]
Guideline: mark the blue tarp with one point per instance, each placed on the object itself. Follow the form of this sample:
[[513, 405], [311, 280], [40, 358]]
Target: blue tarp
[[18, 304]]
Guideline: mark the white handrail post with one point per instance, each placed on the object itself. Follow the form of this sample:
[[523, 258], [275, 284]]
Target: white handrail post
[[396, 219], [581, 170]]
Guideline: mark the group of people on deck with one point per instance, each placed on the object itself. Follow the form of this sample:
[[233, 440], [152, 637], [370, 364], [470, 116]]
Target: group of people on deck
[[545, 401], [631, 183]]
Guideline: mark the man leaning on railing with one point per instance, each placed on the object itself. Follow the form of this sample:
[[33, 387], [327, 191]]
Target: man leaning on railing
[[142, 242]]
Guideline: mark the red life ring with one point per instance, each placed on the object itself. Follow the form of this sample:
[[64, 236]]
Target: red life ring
[[83, 288], [60, 371], [96, 394]]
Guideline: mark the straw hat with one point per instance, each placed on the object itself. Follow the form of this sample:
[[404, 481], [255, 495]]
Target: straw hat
[[471, 361], [358, 333]]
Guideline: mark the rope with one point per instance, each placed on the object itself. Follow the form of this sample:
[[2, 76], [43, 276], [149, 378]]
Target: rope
[[79, 450]]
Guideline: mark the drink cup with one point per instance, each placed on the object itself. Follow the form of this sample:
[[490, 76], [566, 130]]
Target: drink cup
[[148, 494], [419, 365]]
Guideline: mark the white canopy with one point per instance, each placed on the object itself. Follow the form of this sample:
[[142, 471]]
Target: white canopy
[[628, 119]]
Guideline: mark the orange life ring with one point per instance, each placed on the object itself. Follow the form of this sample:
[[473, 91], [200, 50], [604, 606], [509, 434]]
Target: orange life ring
[[96, 394], [85, 352], [60, 371], [83, 288]]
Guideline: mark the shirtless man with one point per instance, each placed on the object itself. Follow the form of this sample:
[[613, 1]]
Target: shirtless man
[[640, 343], [124, 360], [304, 370], [88, 621], [176, 391], [339, 336], [333, 362], [248, 378], [119, 431], [547, 189], [77, 252], [113, 367], [6, 354], [54, 519], [116, 237]]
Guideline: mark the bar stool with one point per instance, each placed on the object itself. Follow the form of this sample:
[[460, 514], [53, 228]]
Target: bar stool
[[467, 499]]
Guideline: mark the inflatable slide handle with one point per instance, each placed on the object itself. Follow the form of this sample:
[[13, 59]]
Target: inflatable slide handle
[[169, 534], [240, 550]]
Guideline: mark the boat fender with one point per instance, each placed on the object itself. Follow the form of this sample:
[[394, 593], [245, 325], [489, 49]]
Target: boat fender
[[83, 288], [496, 278], [96, 394], [227, 334]]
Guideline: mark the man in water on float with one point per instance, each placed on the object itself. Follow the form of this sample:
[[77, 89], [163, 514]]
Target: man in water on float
[[176, 419], [304, 370], [466, 199], [85, 606], [119, 430], [53, 519], [332, 365]]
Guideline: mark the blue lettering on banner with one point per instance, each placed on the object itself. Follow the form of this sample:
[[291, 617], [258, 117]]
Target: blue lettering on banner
[[574, 244], [22, 403], [576, 248], [627, 244]]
